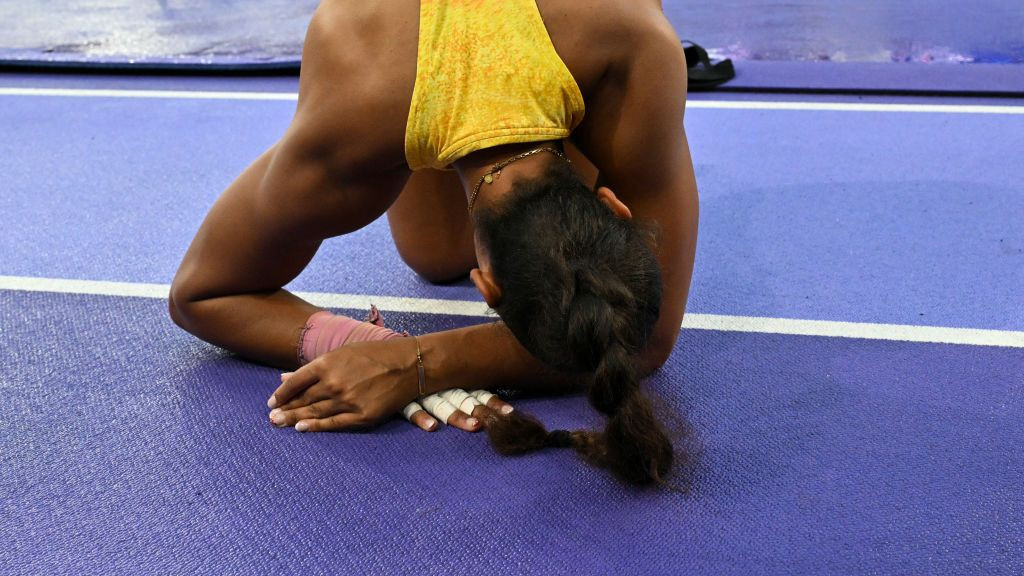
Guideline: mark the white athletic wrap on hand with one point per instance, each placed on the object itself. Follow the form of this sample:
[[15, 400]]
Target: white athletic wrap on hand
[[438, 406], [462, 399], [411, 409], [482, 396], [443, 404]]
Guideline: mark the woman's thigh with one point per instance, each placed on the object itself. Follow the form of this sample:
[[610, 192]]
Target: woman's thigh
[[431, 228]]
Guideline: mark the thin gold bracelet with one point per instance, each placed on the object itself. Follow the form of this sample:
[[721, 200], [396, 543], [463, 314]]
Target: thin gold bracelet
[[421, 375]]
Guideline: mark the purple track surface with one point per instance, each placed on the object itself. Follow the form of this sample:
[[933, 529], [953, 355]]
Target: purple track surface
[[127, 446], [820, 456]]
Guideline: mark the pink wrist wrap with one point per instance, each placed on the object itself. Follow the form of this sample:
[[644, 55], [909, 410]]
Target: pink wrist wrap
[[325, 331]]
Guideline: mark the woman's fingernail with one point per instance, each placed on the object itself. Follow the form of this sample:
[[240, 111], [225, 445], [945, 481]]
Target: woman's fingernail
[[272, 403], [286, 375], [276, 416], [507, 409], [472, 422], [430, 424], [302, 426]]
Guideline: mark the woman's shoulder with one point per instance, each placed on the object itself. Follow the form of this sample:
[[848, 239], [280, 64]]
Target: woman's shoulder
[[615, 18], [599, 38]]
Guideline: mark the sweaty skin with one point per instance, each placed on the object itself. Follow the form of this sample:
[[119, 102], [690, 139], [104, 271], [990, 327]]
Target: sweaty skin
[[341, 164]]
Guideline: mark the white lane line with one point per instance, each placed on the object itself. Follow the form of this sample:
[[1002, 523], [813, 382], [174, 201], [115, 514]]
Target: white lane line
[[97, 287], [856, 107], [166, 94], [398, 304], [705, 104], [893, 332], [864, 330]]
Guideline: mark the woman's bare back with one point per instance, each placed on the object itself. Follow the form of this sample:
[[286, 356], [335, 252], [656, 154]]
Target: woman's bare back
[[359, 67]]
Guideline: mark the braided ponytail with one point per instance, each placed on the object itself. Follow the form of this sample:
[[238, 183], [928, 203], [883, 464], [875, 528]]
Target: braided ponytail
[[634, 444], [584, 301]]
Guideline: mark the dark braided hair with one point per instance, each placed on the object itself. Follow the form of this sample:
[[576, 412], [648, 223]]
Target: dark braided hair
[[581, 291]]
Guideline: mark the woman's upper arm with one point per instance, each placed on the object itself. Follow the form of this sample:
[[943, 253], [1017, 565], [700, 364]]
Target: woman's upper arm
[[268, 224], [643, 156]]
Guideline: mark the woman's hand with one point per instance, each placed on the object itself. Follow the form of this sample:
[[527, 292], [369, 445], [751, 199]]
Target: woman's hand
[[354, 386], [340, 391]]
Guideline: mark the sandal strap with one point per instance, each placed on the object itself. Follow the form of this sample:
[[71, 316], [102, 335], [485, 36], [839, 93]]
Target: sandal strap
[[701, 72]]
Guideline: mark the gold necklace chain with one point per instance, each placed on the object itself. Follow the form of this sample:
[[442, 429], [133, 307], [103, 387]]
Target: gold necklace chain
[[495, 170]]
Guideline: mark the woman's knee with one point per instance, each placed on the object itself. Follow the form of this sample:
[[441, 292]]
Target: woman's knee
[[431, 228], [436, 264]]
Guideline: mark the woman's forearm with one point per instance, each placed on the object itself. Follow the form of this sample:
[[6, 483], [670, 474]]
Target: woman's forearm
[[262, 327], [486, 356], [267, 327]]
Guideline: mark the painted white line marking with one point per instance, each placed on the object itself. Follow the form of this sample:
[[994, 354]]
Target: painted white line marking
[[166, 94], [705, 104], [868, 331], [893, 332], [398, 304], [855, 107], [97, 287]]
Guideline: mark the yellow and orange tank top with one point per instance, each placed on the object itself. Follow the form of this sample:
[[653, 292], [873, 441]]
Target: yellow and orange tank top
[[487, 74]]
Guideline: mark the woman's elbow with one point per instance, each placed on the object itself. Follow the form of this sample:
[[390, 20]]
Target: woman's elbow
[[174, 311], [657, 353], [181, 307]]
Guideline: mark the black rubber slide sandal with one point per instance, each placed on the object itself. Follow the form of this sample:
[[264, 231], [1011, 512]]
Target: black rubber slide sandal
[[702, 74]]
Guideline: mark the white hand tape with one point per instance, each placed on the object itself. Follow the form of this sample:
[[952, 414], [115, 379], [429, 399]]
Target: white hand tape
[[456, 396], [411, 409], [469, 405], [483, 396], [438, 406], [464, 400]]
